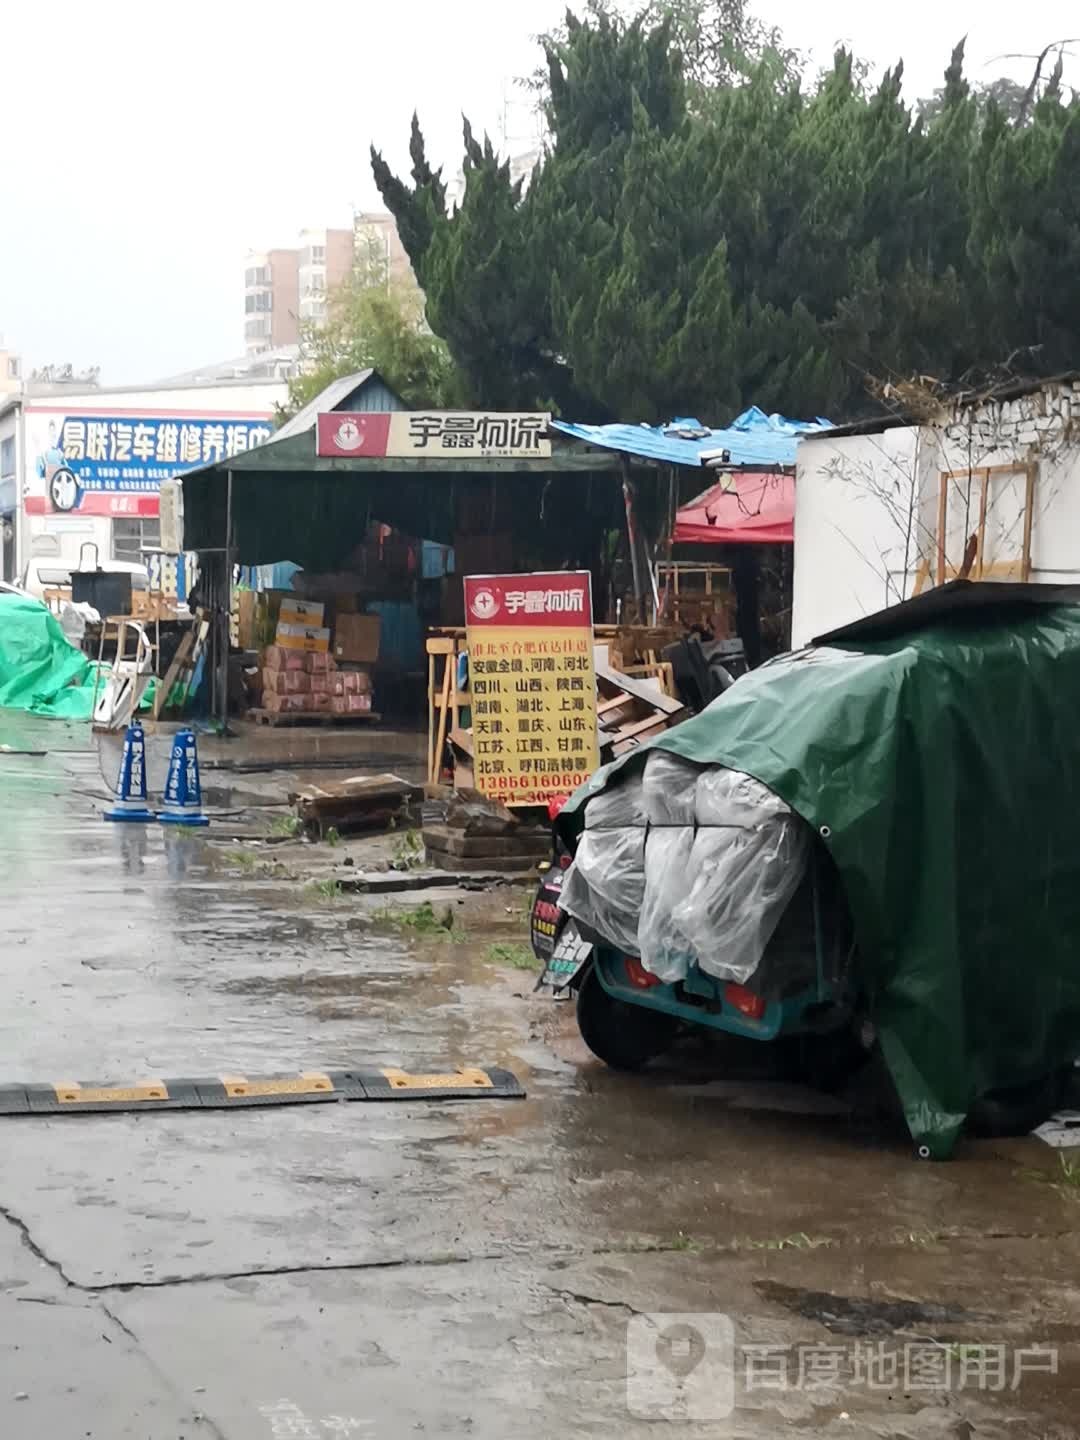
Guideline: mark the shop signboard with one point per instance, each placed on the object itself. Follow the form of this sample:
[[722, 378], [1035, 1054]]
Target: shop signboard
[[105, 462], [433, 435], [532, 684]]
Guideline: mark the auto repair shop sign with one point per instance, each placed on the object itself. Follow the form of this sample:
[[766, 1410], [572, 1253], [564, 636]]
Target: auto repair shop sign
[[96, 463]]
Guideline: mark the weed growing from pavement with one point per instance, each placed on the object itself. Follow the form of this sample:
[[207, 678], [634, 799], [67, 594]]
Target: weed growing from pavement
[[1067, 1178], [287, 825], [333, 836], [682, 1241], [241, 859], [408, 852], [324, 889], [519, 956], [423, 920]]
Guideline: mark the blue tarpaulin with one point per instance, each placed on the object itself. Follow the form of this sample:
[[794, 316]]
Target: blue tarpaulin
[[753, 438]]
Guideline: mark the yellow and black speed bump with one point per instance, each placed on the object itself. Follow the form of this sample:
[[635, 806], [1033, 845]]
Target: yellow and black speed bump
[[228, 1092]]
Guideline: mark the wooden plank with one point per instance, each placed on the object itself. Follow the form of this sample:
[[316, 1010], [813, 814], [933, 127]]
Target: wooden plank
[[605, 706], [664, 703], [462, 740], [440, 742], [1029, 505], [980, 550], [179, 660], [943, 497]]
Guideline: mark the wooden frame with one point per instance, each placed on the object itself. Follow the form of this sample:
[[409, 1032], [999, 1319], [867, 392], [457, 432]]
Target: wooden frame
[[1000, 570]]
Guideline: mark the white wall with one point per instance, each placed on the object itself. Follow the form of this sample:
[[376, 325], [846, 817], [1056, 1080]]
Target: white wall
[[867, 507], [853, 541]]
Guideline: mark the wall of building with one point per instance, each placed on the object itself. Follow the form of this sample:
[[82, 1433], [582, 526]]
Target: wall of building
[[283, 288], [880, 516], [11, 377], [853, 543]]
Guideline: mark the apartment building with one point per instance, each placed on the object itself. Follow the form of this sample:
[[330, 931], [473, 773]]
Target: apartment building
[[285, 288]]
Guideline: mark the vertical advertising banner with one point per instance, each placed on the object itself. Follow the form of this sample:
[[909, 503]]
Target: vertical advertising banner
[[532, 684]]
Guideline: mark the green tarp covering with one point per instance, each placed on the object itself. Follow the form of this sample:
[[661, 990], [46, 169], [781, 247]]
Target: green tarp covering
[[40, 670], [936, 753]]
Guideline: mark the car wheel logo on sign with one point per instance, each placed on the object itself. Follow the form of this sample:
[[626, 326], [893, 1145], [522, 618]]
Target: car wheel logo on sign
[[63, 489], [484, 604]]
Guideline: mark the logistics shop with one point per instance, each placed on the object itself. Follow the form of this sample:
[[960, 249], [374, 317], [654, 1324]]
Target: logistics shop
[[384, 510], [84, 471]]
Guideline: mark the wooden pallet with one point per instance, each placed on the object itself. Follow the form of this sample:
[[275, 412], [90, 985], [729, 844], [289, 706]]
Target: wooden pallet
[[308, 717]]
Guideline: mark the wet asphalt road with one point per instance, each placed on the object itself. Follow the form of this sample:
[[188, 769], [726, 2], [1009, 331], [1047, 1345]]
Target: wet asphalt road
[[451, 1270]]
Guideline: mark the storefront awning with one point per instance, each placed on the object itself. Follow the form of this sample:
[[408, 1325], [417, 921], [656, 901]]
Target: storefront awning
[[744, 508]]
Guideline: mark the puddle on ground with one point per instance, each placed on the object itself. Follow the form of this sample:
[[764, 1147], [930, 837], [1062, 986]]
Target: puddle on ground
[[849, 1315]]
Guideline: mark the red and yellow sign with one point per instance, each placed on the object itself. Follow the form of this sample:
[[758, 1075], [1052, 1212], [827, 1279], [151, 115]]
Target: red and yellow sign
[[533, 684]]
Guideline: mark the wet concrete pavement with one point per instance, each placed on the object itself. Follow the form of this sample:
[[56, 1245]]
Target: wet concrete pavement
[[452, 1270]]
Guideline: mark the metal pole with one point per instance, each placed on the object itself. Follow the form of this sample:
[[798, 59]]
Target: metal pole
[[631, 535], [227, 625]]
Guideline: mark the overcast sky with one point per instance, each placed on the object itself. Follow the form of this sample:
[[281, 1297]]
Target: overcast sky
[[144, 156]]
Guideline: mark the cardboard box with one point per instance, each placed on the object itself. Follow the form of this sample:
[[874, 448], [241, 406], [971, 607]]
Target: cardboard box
[[278, 703], [300, 637], [350, 704], [278, 658], [286, 682], [245, 604], [301, 612], [319, 663], [320, 684], [350, 682], [356, 638], [319, 702]]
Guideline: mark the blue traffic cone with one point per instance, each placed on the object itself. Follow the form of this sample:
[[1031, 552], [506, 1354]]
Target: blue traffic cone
[[183, 793], [130, 802]]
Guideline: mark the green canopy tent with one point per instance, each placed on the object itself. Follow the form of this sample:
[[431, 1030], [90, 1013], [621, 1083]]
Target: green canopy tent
[[284, 501]]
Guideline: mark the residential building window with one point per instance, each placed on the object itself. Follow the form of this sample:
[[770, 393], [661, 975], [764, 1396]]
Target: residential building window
[[13, 367], [7, 457], [130, 538]]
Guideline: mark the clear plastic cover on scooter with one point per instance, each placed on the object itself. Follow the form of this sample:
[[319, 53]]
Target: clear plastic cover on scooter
[[705, 880], [605, 886], [749, 855], [669, 786]]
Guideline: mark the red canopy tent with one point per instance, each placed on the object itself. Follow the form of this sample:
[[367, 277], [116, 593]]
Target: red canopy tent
[[743, 508]]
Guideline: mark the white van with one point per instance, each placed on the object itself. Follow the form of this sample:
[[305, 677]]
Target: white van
[[50, 573]]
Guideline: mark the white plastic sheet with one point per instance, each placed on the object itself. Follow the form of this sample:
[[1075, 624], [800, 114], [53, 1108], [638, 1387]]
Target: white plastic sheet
[[682, 864], [748, 858], [605, 886], [669, 787]]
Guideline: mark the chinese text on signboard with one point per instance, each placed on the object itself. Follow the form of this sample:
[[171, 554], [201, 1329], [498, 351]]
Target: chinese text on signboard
[[433, 434], [137, 453], [532, 683]]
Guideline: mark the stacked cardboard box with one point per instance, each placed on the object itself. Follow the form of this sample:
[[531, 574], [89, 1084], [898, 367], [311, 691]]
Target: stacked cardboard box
[[300, 674], [296, 680]]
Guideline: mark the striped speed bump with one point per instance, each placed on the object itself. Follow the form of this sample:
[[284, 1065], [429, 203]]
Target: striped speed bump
[[228, 1092]]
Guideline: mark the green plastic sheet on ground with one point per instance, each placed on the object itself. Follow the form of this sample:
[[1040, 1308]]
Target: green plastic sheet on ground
[[40, 670], [937, 756]]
